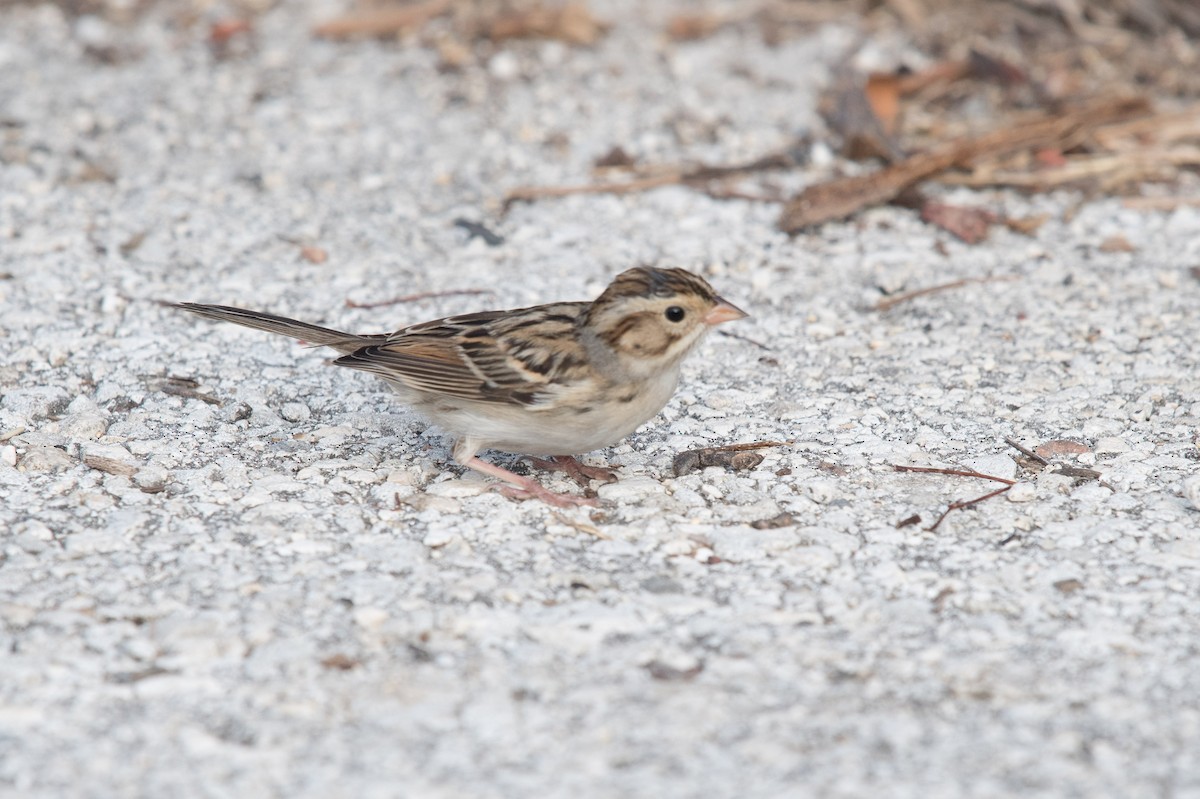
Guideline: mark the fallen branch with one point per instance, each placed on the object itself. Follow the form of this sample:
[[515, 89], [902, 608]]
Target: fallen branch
[[841, 197], [674, 176], [381, 22], [892, 302], [962, 503]]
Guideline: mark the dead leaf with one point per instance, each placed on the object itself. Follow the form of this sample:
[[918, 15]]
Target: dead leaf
[[1117, 243], [616, 158], [314, 254], [340, 661], [1026, 225], [883, 94], [1060, 447], [988, 67], [779, 520], [691, 27], [223, 30], [573, 23], [737, 457], [967, 223]]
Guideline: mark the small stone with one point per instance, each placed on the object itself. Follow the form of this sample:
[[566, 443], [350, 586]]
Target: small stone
[[1021, 492], [822, 492], [1190, 490], [504, 65], [8, 455], [370, 618], [85, 426], [46, 459], [151, 479], [1111, 444], [661, 585], [295, 412], [110, 459], [436, 539], [630, 489], [35, 402], [457, 488]]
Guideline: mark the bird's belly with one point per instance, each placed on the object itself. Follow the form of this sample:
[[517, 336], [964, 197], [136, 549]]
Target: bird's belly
[[563, 430]]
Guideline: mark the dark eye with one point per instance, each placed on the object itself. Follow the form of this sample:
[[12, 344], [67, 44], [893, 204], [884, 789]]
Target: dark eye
[[675, 314]]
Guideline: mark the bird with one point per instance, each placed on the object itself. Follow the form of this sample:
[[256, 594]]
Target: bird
[[554, 380]]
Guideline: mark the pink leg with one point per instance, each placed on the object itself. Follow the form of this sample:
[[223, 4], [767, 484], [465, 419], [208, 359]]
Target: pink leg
[[524, 488], [577, 471]]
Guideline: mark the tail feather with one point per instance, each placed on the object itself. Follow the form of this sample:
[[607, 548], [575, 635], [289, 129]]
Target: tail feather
[[344, 343]]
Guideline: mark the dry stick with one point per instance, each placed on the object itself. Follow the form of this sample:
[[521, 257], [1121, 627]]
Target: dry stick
[[891, 302], [1131, 165], [424, 295], [746, 339], [839, 198], [1160, 203], [954, 472], [1028, 453], [671, 177], [966, 503], [963, 503], [382, 21]]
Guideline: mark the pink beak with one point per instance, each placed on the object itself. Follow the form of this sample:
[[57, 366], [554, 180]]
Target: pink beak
[[724, 311]]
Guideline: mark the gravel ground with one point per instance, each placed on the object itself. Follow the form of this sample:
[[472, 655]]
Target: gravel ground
[[229, 570]]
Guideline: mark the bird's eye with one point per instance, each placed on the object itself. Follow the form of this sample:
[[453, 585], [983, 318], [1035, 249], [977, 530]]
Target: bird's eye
[[675, 314]]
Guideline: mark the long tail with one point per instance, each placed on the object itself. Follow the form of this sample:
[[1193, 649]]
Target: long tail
[[344, 343]]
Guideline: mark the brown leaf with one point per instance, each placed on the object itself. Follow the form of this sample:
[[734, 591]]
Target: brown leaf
[[1117, 243], [1060, 447], [967, 223], [340, 661], [614, 158], [776, 521], [1026, 225], [573, 23], [850, 112], [883, 94], [223, 30], [314, 254], [382, 22], [690, 27], [988, 67], [737, 457]]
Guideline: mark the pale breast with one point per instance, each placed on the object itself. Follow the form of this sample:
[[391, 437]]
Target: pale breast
[[563, 428]]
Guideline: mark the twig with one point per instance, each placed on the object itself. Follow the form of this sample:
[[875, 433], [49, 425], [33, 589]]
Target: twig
[[891, 302], [954, 472], [962, 503], [424, 295], [841, 197], [1160, 203], [966, 503], [1127, 166], [382, 21], [689, 176], [746, 339], [1028, 453]]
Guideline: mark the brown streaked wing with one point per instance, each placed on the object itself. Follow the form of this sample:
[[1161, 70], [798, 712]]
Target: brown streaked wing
[[483, 357]]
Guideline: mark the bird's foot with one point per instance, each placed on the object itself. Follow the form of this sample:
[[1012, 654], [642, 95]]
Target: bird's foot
[[519, 487], [579, 472]]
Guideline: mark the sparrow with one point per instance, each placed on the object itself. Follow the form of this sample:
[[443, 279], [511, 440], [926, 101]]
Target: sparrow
[[552, 380]]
